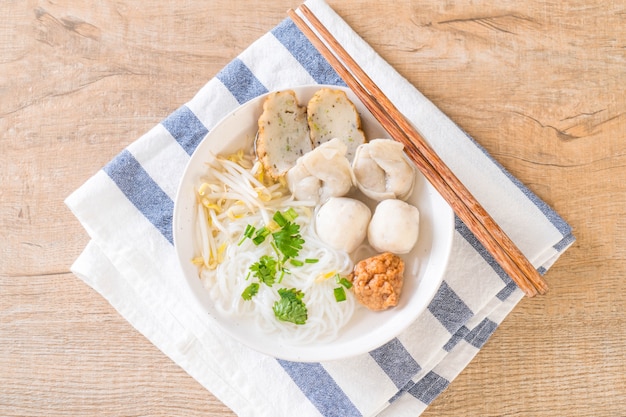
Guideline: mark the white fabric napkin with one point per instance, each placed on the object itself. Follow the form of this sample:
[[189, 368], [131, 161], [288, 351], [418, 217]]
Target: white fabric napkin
[[126, 208]]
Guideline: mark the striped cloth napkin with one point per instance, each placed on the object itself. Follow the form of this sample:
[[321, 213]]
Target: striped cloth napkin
[[126, 208]]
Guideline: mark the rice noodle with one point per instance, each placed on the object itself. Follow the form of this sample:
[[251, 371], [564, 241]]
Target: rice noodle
[[237, 195]]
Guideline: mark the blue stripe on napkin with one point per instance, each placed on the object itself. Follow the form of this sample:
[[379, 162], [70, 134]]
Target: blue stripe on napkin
[[240, 81], [396, 362], [320, 388], [564, 243], [481, 333], [185, 127], [429, 387], [305, 53], [142, 191], [456, 338], [506, 291], [449, 308], [401, 392], [476, 337]]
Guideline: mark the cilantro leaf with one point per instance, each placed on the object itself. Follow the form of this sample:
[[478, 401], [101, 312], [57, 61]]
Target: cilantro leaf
[[265, 270], [290, 307], [288, 240], [250, 291]]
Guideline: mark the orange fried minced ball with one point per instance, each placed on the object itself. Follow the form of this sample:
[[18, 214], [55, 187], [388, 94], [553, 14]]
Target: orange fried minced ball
[[377, 281]]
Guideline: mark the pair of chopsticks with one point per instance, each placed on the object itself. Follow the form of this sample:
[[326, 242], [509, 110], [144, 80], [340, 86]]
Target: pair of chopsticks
[[466, 207]]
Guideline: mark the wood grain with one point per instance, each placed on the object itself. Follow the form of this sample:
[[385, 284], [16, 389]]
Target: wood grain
[[541, 85]]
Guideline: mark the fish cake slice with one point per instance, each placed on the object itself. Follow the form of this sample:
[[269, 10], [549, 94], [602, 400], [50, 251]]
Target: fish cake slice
[[331, 114], [283, 133]]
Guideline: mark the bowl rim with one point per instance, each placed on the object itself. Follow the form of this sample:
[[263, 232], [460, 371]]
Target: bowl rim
[[303, 353]]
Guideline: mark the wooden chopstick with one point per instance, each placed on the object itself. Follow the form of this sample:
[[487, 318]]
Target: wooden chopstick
[[466, 207]]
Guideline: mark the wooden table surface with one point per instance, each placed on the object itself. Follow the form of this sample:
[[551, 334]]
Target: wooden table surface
[[541, 85]]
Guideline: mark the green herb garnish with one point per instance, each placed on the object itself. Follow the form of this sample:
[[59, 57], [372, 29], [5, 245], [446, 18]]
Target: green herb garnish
[[296, 262], [260, 235], [250, 291], [265, 270], [247, 234], [279, 219], [290, 307], [343, 281], [288, 240], [340, 294], [290, 214]]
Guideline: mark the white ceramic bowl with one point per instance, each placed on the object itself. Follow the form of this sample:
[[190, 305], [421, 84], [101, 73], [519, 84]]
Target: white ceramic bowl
[[367, 330]]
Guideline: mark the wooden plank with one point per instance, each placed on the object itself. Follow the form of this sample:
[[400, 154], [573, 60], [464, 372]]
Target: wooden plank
[[540, 85]]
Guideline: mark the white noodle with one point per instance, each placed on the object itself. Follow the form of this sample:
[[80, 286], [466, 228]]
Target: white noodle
[[234, 189]]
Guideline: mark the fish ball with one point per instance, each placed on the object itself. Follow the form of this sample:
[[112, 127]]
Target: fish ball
[[394, 227], [341, 223]]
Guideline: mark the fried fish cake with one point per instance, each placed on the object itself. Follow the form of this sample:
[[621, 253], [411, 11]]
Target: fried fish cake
[[283, 133], [331, 114]]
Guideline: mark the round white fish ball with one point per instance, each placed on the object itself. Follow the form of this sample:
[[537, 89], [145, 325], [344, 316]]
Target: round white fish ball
[[341, 223], [394, 227]]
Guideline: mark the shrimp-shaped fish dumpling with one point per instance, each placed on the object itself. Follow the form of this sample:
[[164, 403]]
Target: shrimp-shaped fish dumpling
[[321, 173], [382, 171]]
